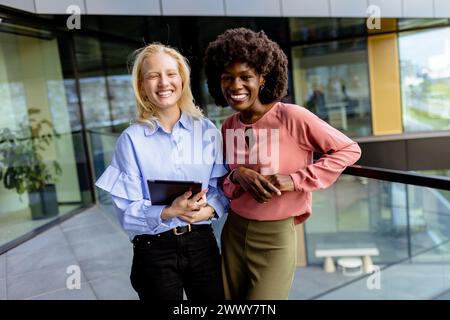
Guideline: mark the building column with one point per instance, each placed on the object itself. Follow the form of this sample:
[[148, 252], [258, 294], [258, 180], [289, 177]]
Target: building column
[[384, 74]]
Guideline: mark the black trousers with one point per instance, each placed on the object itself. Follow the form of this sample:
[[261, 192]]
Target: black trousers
[[165, 264]]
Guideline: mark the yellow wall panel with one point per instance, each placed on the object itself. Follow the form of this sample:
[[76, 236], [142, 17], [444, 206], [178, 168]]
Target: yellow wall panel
[[385, 84]]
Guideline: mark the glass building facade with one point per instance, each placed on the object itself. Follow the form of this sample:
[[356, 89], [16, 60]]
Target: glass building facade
[[71, 90], [41, 137], [425, 79]]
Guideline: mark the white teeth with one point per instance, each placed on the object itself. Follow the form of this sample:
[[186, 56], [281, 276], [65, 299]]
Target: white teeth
[[238, 96], [164, 94]]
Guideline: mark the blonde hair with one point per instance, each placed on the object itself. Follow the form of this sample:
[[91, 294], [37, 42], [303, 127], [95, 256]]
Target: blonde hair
[[146, 111]]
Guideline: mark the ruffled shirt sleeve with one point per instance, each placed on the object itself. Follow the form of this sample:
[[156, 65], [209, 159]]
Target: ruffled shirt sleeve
[[122, 179]]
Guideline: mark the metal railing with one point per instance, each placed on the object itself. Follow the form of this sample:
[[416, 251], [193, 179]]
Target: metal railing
[[404, 177]]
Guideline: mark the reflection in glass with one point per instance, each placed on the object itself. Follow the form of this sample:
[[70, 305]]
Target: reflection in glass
[[43, 167], [105, 83], [122, 99], [331, 80], [95, 102], [425, 79], [92, 82], [322, 29], [409, 225], [216, 114], [102, 146], [400, 220]]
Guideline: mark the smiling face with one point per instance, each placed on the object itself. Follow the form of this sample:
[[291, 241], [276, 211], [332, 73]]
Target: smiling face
[[161, 80], [240, 86]]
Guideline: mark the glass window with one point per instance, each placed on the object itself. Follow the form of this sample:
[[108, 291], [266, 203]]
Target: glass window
[[119, 83], [105, 83], [322, 29], [42, 158], [215, 113], [331, 80], [400, 220], [425, 79], [412, 23], [94, 94]]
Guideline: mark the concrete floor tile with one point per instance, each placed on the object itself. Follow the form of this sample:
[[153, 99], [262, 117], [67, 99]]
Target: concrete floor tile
[[47, 239], [443, 296], [92, 248], [117, 287], [93, 232], [38, 282], [2, 266], [3, 289], [84, 293], [84, 219], [107, 264], [395, 282], [312, 281], [50, 257]]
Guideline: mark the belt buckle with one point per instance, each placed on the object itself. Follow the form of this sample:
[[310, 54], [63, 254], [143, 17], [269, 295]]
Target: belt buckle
[[180, 233]]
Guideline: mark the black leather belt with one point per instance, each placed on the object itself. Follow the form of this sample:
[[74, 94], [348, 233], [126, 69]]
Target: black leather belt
[[178, 231]]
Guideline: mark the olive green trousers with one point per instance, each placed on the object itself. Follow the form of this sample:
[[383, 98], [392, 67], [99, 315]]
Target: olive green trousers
[[258, 258]]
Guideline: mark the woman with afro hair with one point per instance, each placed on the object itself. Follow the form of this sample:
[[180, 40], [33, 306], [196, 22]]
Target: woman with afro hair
[[269, 149]]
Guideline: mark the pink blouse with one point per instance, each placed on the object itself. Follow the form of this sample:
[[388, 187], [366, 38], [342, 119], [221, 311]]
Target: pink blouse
[[285, 139]]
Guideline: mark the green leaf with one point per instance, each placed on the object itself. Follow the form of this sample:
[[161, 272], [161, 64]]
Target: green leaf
[[22, 166]]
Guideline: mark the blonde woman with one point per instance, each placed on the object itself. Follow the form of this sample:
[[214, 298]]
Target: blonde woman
[[174, 246]]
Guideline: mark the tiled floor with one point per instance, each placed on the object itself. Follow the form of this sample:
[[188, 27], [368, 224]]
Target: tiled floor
[[94, 242], [16, 223]]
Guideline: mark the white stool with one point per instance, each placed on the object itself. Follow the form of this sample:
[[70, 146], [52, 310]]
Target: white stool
[[328, 265], [350, 266]]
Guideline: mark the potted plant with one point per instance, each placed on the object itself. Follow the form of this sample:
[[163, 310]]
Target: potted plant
[[23, 168]]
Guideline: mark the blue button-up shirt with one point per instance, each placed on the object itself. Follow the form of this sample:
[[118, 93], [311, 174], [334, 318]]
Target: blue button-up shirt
[[191, 152]]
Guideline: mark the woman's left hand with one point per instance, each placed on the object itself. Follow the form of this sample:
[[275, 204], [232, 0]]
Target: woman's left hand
[[205, 213], [281, 182]]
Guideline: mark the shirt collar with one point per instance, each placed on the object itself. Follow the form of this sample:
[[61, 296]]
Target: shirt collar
[[185, 121]]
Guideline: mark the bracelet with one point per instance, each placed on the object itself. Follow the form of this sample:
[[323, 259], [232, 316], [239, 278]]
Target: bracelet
[[213, 213]]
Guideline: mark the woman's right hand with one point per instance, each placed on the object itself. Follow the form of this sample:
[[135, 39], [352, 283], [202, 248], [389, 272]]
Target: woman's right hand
[[185, 206], [255, 184]]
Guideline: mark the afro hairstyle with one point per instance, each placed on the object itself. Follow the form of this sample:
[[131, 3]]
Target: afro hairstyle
[[258, 51]]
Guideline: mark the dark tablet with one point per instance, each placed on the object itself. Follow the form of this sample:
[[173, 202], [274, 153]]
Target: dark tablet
[[163, 192]]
